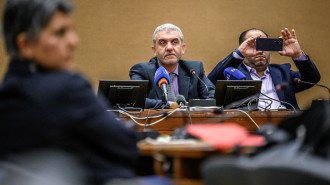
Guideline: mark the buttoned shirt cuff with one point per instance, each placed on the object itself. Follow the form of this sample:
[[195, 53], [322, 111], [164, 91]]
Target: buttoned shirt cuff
[[235, 55], [301, 58]]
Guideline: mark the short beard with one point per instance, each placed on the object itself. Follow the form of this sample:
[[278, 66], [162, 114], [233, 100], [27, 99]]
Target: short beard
[[259, 66]]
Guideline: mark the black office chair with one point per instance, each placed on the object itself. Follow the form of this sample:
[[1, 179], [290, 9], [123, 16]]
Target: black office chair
[[289, 176], [226, 171], [46, 167], [284, 165]]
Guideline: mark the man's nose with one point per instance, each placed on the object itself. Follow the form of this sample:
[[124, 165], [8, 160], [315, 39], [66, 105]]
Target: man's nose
[[169, 46], [260, 52], [73, 39]]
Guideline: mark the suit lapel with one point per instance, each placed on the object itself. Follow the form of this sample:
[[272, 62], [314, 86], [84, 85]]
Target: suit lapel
[[245, 71], [152, 71], [184, 81], [277, 79]]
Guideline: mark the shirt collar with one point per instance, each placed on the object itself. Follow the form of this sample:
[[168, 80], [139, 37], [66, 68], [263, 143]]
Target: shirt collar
[[176, 71], [252, 70]]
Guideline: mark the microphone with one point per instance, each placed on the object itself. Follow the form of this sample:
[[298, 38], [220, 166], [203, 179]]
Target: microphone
[[162, 79], [193, 72], [282, 86], [231, 73], [279, 87], [298, 81], [180, 100]]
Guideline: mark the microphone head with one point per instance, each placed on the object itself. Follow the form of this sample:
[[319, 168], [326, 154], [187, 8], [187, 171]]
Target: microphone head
[[180, 99], [161, 76], [297, 81], [193, 72], [231, 73], [282, 86]]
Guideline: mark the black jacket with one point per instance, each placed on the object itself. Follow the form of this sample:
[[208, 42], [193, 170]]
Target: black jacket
[[279, 73], [40, 109], [189, 86]]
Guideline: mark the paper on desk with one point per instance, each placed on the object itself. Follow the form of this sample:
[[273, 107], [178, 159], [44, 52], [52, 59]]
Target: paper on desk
[[225, 135]]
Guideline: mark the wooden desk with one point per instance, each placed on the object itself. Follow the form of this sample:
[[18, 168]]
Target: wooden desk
[[187, 158], [180, 118]]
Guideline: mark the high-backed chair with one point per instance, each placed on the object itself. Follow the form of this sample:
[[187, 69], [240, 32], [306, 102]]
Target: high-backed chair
[[284, 165]]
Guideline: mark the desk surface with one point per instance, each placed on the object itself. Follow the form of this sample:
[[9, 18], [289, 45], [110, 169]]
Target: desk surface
[[188, 158], [184, 149], [180, 118]]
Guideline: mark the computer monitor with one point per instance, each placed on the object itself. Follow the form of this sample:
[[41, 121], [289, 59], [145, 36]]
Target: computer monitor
[[237, 93], [126, 94]]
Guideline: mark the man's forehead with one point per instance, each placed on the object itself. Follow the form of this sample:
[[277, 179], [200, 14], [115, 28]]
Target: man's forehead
[[167, 35], [255, 33]]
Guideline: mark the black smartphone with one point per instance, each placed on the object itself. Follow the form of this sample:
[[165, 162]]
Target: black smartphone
[[269, 44]]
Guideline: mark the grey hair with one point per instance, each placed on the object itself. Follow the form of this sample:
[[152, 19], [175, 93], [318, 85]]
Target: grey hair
[[29, 17], [167, 27]]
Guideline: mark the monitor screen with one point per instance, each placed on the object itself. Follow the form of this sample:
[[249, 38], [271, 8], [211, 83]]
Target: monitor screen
[[237, 93], [126, 94]]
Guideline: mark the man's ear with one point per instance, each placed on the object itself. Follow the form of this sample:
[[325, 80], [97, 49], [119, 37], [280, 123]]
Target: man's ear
[[184, 48], [153, 50], [25, 46]]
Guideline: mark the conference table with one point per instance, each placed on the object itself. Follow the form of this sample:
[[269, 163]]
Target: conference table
[[180, 117], [188, 156]]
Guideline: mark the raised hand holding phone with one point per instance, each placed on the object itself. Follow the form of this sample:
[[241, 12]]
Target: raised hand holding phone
[[291, 47], [248, 47]]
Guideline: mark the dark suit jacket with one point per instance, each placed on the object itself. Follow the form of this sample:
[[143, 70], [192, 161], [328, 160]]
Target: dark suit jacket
[[279, 73], [189, 86], [57, 109]]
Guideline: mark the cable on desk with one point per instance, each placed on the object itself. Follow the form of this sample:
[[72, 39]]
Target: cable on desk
[[250, 103], [255, 99], [187, 109], [142, 117], [269, 104], [150, 124], [134, 118], [245, 114], [129, 112], [145, 123], [280, 101]]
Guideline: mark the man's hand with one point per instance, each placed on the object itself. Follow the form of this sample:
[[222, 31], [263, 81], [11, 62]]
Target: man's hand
[[248, 47], [291, 47], [174, 105]]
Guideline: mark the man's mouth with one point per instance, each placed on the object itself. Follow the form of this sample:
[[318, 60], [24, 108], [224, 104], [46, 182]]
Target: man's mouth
[[260, 56], [169, 55]]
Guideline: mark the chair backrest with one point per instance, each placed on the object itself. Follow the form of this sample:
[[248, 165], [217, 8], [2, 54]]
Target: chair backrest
[[41, 168], [289, 176], [226, 171], [272, 168]]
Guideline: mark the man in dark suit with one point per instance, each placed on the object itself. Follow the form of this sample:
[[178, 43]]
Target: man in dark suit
[[168, 48], [255, 66], [44, 105]]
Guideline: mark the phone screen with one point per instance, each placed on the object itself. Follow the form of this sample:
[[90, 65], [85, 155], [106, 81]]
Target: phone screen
[[269, 44]]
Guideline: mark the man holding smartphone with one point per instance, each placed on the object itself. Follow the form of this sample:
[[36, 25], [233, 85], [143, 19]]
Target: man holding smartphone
[[255, 65]]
